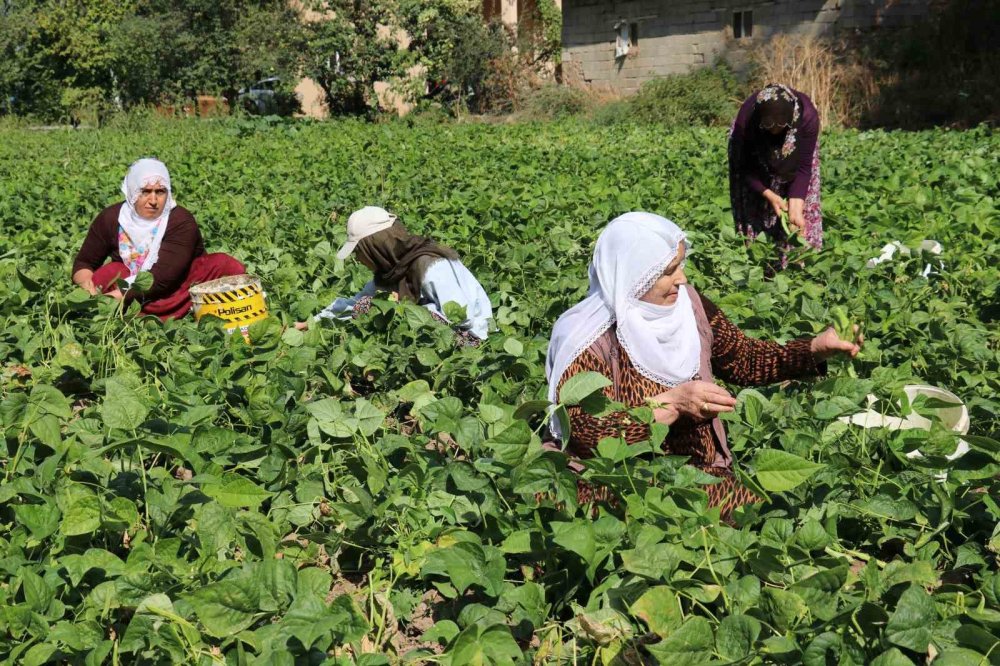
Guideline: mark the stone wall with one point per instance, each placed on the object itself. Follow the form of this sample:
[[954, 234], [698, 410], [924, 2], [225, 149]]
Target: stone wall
[[675, 36]]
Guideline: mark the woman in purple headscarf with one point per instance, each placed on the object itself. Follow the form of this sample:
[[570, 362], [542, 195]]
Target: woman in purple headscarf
[[774, 167]]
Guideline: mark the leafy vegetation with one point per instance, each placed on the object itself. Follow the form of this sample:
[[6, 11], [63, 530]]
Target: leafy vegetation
[[368, 492]]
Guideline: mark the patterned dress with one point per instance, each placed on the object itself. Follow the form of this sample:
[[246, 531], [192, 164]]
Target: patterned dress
[[749, 177], [735, 358]]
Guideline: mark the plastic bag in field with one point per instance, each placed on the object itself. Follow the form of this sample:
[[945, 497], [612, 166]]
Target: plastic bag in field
[[890, 250]]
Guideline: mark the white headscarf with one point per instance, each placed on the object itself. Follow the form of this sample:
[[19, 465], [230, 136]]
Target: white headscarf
[[661, 340], [139, 239]]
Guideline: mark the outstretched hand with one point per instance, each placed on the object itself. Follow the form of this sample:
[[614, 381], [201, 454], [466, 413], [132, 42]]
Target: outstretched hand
[[828, 344]]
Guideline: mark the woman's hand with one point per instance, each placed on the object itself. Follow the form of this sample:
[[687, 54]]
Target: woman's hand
[[797, 215], [777, 203], [84, 278], [301, 326], [697, 399], [828, 344], [116, 294]]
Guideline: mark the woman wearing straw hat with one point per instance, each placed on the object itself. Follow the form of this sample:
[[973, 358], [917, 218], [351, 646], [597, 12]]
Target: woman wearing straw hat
[[413, 267], [662, 343], [148, 232], [774, 167]]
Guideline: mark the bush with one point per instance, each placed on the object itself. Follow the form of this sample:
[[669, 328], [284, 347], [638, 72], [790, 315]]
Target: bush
[[555, 101], [708, 96]]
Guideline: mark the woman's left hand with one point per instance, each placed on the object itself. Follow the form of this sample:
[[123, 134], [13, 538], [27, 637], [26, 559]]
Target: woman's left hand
[[828, 344], [797, 214], [115, 294]]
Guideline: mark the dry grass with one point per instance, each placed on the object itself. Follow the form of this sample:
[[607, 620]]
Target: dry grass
[[839, 87]]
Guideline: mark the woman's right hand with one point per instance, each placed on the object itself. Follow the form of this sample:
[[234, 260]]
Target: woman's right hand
[[777, 203], [698, 400], [301, 326]]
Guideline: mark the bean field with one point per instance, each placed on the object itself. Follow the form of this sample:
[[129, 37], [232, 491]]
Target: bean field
[[370, 493]]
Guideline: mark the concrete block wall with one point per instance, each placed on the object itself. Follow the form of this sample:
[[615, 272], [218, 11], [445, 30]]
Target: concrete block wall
[[676, 36]]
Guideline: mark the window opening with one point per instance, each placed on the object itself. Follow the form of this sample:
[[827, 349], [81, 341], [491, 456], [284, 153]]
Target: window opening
[[743, 24]]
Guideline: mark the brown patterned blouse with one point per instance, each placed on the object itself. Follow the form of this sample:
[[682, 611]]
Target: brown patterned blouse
[[735, 358]]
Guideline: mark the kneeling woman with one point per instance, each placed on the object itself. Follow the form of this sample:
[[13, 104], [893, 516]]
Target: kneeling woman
[[149, 232], [415, 268], [658, 339]]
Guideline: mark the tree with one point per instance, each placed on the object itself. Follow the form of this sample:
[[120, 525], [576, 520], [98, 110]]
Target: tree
[[350, 48], [220, 46]]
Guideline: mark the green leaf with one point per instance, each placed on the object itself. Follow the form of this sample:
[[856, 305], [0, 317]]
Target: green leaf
[[50, 400], [659, 609], [124, 406], [580, 386], [454, 313], [82, 515], [293, 337], [692, 643], [38, 654], [893, 657], [779, 471], [825, 648], [41, 519], [786, 609], [236, 492], [226, 607], [911, 623], [442, 632], [492, 645], [511, 444], [143, 282], [737, 636], [466, 564], [655, 561], [309, 619], [47, 429], [513, 346], [369, 417], [37, 593], [77, 566]]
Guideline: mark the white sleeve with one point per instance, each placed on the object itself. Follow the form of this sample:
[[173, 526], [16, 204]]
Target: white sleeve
[[449, 281], [342, 308]]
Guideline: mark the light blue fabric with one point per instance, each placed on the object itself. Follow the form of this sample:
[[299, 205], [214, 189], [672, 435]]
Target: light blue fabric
[[343, 308], [445, 281]]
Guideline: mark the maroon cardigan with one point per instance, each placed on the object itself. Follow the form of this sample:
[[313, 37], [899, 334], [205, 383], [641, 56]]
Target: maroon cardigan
[[181, 244], [746, 131]]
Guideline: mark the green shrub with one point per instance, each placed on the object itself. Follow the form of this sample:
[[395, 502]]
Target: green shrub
[[708, 96], [556, 101]]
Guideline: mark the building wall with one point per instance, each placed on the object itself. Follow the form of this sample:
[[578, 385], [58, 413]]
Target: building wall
[[676, 36]]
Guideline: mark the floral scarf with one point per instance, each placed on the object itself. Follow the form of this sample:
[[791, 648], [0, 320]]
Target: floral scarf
[[139, 239], [778, 154]]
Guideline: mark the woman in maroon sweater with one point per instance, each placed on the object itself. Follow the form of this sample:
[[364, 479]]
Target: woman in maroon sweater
[[774, 155], [149, 232]]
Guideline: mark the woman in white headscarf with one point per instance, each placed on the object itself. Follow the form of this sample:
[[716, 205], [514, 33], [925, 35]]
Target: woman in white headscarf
[[658, 340], [148, 231]]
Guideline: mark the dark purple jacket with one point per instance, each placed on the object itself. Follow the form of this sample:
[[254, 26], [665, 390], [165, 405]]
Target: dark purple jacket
[[747, 133]]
